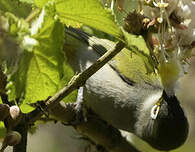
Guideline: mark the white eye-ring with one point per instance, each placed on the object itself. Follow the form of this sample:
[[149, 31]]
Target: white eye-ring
[[154, 111]]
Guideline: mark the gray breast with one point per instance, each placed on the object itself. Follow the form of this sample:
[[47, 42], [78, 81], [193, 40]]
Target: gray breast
[[107, 94], [114, 100]]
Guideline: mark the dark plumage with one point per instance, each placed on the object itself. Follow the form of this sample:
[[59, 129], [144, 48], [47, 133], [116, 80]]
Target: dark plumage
[[170, 129]]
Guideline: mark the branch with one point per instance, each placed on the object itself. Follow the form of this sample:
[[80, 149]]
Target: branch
[[22, 128], [94, 128], [76, 82]]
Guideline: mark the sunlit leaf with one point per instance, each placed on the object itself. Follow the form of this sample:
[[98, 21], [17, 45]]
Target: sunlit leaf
[[25, 108], [138, 46], [45, 68], [27, 1], [88, 12], [40, 70], [40, 3]]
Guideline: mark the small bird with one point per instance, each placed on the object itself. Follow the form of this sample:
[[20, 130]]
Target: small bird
[[124, 95]]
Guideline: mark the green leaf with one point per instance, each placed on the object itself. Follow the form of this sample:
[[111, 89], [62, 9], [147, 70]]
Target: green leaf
[[136, 62], [17, 81], [40, 70], [27, 1], [132, 65], [41, 3], [138, 46], [45, 70], [25, 108], [15, 7], [2, 127], [2, 131], [128, 6], [88, 12], [69, 73]]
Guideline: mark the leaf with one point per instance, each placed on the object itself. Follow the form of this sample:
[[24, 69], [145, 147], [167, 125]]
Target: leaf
[[45, 70], [25, 108], [138, 46], [40, 3], [132, 66], [89, 12], [2, 131], [69, 73], [127, 6], [136, 62], [15, 7], [27, 1], [40, 71], [2, 127], [16, 81]]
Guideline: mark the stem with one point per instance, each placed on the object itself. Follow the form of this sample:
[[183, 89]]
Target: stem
[[79, 80], [22, 128], [95, 128], [32, 15], [100, 132], [76, 82], [103, 134]]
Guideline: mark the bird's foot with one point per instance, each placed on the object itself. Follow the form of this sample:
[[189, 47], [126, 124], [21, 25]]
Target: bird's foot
[[81, 111]]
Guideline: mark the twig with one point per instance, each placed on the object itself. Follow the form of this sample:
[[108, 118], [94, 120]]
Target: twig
[[77, 81], [22, 128], [32, 15], [94, 128]]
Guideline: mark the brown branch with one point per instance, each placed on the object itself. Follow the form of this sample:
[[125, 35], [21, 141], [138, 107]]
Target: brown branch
[[22, 128], [77, 81], [94, 128]]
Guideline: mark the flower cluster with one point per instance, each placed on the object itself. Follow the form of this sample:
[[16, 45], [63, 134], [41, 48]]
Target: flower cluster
[[175, 37], [175, 19]]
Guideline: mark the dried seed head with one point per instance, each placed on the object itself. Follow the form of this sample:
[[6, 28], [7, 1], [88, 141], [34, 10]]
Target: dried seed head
[[4, 111], [134, 23], [12, 138]]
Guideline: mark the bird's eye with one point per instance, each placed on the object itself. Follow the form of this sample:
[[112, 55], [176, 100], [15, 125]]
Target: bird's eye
[[154, 111]]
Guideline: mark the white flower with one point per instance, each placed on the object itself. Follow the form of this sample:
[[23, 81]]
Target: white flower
[[29, 42], [160, 4], [176, 33], [36, 25], [186, 10]]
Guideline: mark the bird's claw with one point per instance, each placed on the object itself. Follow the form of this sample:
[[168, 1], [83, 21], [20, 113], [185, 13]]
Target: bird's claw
[[80, 109]]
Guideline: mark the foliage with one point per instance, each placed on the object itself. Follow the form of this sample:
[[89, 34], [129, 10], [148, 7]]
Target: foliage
[[32, 40], [35, 65], [31, 45], [39, 69]]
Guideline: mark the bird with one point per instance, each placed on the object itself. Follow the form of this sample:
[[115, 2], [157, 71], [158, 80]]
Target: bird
[[124, 95]]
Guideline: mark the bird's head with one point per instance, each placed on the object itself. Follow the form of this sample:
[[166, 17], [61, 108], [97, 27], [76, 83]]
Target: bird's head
[[164, 125]]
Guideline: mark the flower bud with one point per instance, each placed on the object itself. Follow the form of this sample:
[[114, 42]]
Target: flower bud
[[14, 112], [4, 111], [12, 138], [14, 117]]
